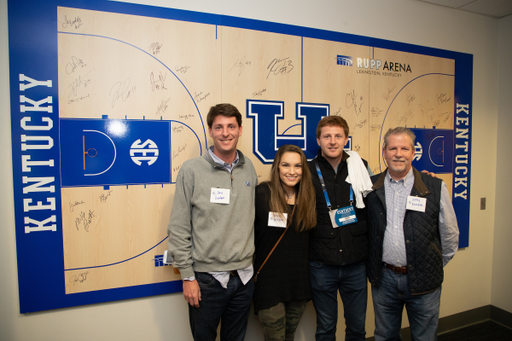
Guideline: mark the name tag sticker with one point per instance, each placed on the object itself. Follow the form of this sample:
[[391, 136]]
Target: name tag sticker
[[343, 216], [416, 203], [220, 196], [276, 220]]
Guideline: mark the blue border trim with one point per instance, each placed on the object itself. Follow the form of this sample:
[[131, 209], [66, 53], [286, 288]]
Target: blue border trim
[[33, 43]]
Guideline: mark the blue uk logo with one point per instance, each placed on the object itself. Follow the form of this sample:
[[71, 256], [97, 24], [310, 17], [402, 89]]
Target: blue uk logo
[[267, 116]]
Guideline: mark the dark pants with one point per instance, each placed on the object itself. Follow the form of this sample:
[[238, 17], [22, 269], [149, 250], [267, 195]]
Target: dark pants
[[350, 280], [389, 299], [228, 306]]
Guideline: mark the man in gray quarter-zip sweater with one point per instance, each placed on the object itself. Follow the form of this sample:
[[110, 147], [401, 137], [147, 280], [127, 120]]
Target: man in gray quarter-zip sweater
[[211, 231]]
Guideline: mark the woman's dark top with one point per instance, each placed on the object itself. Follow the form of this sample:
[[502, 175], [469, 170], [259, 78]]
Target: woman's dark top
[[285, 275]]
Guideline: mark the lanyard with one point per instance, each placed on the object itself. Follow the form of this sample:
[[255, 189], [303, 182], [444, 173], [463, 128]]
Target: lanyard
[[325, 190]]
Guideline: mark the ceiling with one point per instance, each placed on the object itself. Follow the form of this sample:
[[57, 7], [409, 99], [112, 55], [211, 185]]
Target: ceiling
[[491, 8]]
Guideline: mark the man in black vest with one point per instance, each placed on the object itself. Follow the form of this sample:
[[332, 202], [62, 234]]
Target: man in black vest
[[413, 234]]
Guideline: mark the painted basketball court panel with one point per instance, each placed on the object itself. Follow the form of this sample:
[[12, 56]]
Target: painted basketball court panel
[[134, 117], [134, 86]]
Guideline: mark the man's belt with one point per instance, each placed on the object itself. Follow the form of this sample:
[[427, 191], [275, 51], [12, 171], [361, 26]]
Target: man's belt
[[402, 270]]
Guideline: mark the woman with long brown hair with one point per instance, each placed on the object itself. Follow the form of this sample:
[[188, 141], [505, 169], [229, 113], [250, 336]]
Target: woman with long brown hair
[[285, 212]]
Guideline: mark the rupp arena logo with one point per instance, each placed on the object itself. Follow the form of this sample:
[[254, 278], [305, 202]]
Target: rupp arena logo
[[344, 60], [373, 64]]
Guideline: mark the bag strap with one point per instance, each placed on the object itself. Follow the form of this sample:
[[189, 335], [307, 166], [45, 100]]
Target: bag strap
[[288, 223]]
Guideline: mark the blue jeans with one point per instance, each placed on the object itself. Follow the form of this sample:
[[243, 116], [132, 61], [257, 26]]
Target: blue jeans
[[228, 306], [389, 299], [351, 282]]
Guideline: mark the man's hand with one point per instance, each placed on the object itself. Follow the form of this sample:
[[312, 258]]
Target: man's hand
[[192, 293], [429, 173]]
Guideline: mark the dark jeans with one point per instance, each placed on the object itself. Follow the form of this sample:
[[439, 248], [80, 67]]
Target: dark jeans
[[350, 281], [228, 306], [389, 299]]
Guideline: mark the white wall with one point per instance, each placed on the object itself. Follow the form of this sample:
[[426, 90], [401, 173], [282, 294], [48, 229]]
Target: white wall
[[471, 280], [502, 271]]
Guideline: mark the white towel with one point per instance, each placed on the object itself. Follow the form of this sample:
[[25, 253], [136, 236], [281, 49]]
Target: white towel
[[359, 178]]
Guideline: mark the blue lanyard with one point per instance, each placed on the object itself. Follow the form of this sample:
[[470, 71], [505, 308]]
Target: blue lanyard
[[325, 190]]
